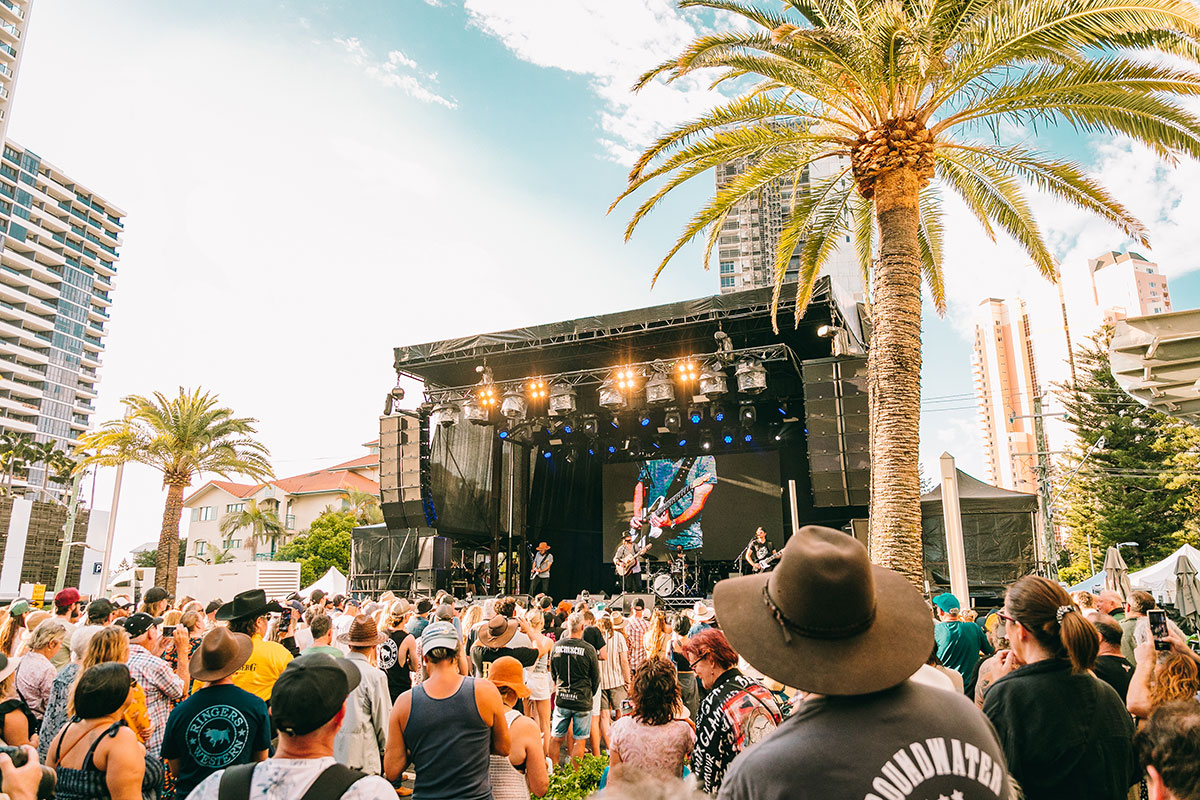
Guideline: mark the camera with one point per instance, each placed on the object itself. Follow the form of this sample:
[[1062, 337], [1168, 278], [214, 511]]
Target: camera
[[20, 757], [168, 630]]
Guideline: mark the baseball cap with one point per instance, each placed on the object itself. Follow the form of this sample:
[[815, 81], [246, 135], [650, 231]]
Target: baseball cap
[[99, 608], [157, 594], [66, 597], [439, 634], [139, 623], [213, 605], [18, 607], [310, 691], [947, 602]]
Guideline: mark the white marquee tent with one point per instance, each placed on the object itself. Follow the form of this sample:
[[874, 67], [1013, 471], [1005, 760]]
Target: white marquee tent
[[1158, 579], [332, 582]]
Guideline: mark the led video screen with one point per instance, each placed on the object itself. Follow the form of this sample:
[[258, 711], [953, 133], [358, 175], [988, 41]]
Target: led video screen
[[709, 504]]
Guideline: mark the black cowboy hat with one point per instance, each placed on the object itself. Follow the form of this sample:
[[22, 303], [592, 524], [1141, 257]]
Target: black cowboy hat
[[252, 603]]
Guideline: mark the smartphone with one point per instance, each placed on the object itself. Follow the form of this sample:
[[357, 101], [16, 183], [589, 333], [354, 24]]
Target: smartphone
[[1158, 628], [168, 630]]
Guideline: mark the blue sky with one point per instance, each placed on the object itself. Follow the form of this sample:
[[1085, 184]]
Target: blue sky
[[311, 183]]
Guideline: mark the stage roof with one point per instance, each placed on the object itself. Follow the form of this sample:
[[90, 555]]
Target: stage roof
[[1156, 360], [665, 331]]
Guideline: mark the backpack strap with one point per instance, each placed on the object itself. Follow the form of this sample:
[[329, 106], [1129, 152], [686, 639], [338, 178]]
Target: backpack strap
[[235, 782], [332, 783]]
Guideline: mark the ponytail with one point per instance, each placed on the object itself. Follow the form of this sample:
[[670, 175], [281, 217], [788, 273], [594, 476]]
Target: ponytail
[[1047, 612]]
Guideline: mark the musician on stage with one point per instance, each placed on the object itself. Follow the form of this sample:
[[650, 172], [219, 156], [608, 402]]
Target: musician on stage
[[678, 561], [628, 562], [758, 551], [686, 483], [539, 582]]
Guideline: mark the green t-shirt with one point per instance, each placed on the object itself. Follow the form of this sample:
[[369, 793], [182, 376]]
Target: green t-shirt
[[328, 650], [959, 645]]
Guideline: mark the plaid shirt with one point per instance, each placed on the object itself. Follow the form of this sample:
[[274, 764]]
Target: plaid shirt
[[163, 689], [635, 631]]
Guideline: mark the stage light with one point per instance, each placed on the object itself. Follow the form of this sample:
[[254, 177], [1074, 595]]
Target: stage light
[[628, 379], [728, 439], [611, 449], [514, 405], [748, 414], [536, 389], [718, 414], [547, 454], [751, 376], [747, 438], [644, 419], [590, 426], [659, 389], [488, 396], [503, 434], [707, 445], [672, 420], [828, 331], [687, 371], [615, 422], [695, 415], [712, 382], [683, 442], [568, 428], [472, 411], [591, 452], [562, 399], [444, 415], [611, 396]]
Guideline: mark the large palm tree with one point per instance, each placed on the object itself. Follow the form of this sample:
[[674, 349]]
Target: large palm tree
[[182, 437], [264, 524], [908, 92]]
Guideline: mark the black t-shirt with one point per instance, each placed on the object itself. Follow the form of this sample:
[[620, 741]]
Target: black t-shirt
[[1115, 671], [217, 727], [759, 551], [594, 637], [398, 676], [912, 741], [576, 673]]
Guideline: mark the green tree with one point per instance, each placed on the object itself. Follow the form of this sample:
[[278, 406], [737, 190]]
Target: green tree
[[364, 506], [1137, 486], [909, 91], [325, 544], [149, 558], [219, 555], [264, 524], [182, 437], [62, 467], [16, 451]]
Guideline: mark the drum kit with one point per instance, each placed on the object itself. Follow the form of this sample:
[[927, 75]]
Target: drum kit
[[677, 577]]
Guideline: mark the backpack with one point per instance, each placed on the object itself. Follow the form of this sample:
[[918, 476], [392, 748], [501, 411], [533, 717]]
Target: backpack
[[331, 784]]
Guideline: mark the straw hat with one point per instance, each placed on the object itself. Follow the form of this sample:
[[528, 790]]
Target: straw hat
[[363, 633]]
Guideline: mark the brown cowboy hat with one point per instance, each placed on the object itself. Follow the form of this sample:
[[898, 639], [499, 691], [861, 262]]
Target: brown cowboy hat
[[542, 547], [220, 654], [363, 632], [498, 632], [826, 620]]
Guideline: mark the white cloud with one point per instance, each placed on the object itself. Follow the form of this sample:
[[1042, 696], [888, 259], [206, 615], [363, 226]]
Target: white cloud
[[389, 72], [611, 42]]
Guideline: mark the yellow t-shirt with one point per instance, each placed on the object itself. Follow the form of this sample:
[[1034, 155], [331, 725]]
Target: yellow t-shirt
[[267, 661]]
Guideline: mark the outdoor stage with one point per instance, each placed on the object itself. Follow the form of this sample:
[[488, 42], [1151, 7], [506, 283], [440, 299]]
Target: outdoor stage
[[560, 432]]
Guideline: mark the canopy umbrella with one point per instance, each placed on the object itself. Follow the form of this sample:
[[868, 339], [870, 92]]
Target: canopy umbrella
[[1187, 592], [1116, 574]]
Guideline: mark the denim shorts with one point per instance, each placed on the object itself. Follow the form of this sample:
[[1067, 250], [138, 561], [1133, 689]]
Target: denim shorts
[[580, 722]]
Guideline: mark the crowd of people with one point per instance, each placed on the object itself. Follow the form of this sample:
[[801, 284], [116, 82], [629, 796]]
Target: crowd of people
[[827, 677]]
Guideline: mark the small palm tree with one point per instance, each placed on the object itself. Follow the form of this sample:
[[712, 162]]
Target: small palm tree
[[220, 555], [62, 467], [182, 437], [263, 523], [896, 94], [364, 506], [16, 450]]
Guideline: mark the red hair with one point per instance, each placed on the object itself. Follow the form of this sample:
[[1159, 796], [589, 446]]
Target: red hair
[[712, 643]]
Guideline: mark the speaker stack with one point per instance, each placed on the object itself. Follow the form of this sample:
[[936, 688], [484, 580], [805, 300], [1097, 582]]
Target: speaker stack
[[836, 418], [404, 471]]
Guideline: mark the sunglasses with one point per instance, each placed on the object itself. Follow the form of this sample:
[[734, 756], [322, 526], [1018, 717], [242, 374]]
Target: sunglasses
[[1005, 618]]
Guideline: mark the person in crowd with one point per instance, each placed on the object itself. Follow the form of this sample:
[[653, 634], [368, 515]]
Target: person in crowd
[[32, 620], [956, 680], [210, 612], [318, 599], [341, 622], [546, 606], [100, 612], [848, 634], [96, 755], [989, 665], [1111, 667], [681, 627], [561, 612], [220, 725], [321, 628], [1168, 747], [110, 645], [398, 654], [1066, 734], [17, 724], [289, 624], [67, 612], [593, 636], [60, 691], [472, 618], [526, 751], [163, 687], [703, 617], [635, 633], [502, 636], [156, 601], [575, 668], [537, 678], [35, 676], [1160, 677], [651, 737], [447, 726], [657, 639], [1086, 602], [416, 625], [247, 613], [614, 670], [363, 735], [731, 699], [959, 643], [1136, 606], [307, 709], [14, 627], [191, 622], [1111, 604]]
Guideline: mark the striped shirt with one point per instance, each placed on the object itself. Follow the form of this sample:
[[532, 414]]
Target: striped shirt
[[611, 674]]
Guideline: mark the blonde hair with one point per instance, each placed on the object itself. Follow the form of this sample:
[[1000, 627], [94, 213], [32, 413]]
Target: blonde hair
[[1175, 678], [472, 617], [189, 620], [109, 644], [660, 635], [172, 617]]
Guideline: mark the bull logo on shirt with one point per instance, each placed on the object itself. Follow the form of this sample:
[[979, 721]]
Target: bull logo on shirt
[[217, 736]]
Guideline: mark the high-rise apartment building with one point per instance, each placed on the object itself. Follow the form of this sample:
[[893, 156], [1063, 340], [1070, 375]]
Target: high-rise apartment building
[[58, 256], [1127, 285], [1006, 383], [750, 235], [14, 19]]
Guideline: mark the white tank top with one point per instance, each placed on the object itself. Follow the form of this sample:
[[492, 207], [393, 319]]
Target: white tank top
[[507, 783]]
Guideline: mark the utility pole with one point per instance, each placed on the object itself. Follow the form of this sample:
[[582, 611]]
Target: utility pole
[[1049, 549], [112, 526], [60, 579]]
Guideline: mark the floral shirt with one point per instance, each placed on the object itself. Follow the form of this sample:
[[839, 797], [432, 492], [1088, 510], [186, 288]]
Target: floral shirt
[[172, 658], [34, 679], [662, 748]]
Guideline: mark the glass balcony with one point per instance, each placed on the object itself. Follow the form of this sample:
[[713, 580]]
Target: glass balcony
[[14, 8]]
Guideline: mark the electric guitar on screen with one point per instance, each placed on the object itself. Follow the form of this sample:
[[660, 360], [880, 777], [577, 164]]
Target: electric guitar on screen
[[662, 504], [624, 565]]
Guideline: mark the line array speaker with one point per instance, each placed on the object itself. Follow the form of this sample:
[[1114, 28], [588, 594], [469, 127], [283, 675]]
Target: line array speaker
[[835, 416], [404, 471]]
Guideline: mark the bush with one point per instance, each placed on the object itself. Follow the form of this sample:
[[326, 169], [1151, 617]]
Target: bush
[[577, 781]]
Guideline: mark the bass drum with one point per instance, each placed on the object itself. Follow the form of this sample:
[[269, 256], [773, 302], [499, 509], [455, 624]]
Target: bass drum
[[663, 585]]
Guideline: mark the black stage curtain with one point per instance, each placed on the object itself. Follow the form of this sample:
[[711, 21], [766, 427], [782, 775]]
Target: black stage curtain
[[565, 510]]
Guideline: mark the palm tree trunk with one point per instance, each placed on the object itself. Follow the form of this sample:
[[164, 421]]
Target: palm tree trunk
[[166, 564], [894, 369]]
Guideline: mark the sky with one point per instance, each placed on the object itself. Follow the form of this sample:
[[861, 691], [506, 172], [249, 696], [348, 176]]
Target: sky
[[309, 184]]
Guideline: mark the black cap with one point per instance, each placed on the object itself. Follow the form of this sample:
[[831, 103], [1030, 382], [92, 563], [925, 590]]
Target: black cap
[[213, 605], [139, 623], [99, 609], [156, 594], [310, 691]]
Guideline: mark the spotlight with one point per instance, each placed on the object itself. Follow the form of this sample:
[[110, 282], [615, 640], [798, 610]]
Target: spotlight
[[659, 389], [751, 376], [673, 420], [627, 379], [536, 389], [718, 414], [514, 405], [487, 396], [611, 449], [748, 414], [728, 439], [444, 415], [683, 442], [712, 382], [687, 371], [503, 434], [547, 454], [590, 426], [392, 403], [695, 415], [562, 399], [828, 331], [747, 438], [591, 452], [472, 411], [612, 397], [568, 428], [706, 444], [644, 419]]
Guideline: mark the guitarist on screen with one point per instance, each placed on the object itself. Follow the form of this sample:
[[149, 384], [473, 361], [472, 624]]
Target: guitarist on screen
[[670, 495], [759, 553]]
